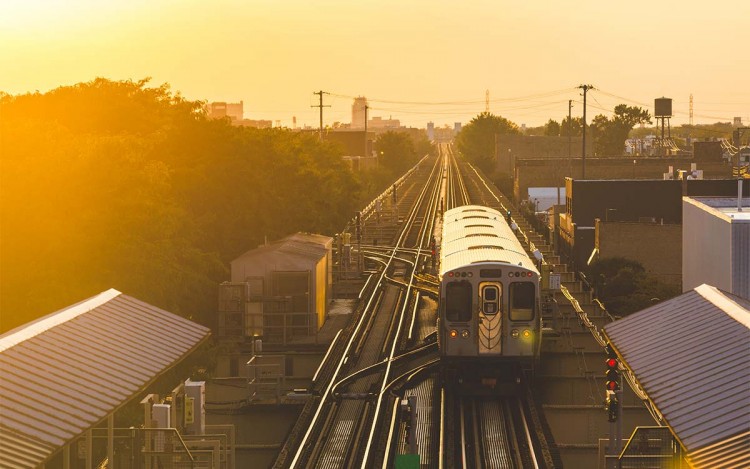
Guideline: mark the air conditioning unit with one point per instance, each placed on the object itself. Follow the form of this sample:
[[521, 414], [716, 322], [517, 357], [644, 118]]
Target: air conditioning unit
[[160, 419]]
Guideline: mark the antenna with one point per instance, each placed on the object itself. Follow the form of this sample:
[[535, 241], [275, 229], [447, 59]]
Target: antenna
[[691, 108], [487, 101]]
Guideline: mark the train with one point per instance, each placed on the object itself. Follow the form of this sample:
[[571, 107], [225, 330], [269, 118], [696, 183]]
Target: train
[[489, 318]]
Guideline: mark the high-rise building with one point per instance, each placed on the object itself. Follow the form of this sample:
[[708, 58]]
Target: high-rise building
[[359, 112], [431, 131], [219, 110]]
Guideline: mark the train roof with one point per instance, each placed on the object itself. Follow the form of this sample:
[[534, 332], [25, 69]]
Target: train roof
[[474, 234]]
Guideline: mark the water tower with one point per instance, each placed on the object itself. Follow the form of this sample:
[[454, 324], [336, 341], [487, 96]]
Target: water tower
[[663, 111]]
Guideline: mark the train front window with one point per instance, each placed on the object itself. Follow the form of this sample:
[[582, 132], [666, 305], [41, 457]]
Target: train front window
[[458, 301], [522, 300], [491, 299]]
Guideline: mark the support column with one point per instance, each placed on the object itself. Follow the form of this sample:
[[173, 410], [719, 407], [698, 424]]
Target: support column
[[111, 441], [89, 448]]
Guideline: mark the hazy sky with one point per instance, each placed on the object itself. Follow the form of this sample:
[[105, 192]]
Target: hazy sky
[[414, 60]]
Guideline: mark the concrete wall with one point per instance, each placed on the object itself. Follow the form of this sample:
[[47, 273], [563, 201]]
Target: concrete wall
[[657, 247]]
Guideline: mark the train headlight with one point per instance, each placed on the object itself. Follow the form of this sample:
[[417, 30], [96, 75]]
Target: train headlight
[[526, 334], [465, 333], [514, 333], [453, 333]]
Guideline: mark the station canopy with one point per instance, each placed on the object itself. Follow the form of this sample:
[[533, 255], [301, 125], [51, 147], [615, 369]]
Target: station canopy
[[691, 355], [66, 372]]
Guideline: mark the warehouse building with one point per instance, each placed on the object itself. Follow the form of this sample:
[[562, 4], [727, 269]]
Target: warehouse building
[[716, 243]]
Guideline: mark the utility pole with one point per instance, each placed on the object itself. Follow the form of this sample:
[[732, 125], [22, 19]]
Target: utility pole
[[320, 95], [570, 128], [585, 89], [366, 108]]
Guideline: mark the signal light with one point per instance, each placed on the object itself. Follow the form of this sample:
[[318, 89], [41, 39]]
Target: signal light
[[453, 333], [612, 372]]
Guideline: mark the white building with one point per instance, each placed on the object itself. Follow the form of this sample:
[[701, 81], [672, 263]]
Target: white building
[[359, 112], [716, 243]]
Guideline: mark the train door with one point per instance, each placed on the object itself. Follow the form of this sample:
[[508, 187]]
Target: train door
[[490, 318]]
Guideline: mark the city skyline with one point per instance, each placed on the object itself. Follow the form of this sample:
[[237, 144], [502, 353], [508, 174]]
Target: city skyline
[[416, 62]]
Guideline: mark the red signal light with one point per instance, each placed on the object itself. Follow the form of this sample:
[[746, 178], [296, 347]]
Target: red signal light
[[612, 373]]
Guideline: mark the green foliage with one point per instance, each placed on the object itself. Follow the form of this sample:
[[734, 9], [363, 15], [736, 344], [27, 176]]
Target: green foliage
[[476, 141], [610, 134], [118, 185], [575, 124], [552, 128], [395, 151], [624, 286]]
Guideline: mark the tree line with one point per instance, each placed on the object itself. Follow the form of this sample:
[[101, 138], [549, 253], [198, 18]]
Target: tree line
[[476, 140], [118, 184]]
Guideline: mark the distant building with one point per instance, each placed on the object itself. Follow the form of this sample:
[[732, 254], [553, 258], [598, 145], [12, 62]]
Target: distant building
[[456, 128], [359, 112], [361, 163], [716, 243], [431, 131], [220, 110], [632, 202], [352, 141], [258, 124], [444, 134], [378, 123]]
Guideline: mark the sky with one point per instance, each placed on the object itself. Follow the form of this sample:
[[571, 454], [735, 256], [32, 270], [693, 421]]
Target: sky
[[414, 60]]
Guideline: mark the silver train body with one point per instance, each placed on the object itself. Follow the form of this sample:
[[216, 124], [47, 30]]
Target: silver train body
[[489, 321]]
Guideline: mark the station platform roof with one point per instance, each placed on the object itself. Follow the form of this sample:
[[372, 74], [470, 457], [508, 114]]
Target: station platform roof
[[66, 372], [691, 356]]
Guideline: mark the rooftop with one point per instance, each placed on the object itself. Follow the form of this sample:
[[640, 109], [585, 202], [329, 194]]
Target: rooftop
[[690, 355], [68, 371], [725, 207]]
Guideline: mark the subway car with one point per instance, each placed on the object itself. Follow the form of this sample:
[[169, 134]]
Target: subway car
[[489, 322]]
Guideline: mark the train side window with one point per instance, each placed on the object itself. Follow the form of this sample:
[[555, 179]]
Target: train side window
[[522, 300], [458, 301]]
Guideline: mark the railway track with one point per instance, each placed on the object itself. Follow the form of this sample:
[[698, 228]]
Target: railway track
[[343, 426], [356, 421]]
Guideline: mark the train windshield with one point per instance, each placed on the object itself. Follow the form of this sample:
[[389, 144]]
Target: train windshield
[[522, 299], [458, 301]]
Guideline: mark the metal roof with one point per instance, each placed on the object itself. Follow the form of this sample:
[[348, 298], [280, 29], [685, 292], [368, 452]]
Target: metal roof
[[66, 372], [691, 355], [304, 245], [473, 234]]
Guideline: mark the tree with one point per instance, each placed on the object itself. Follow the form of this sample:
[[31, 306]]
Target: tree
[[395, 151], [610, 134], [121, 185], [476, 141], [624, 286], [576, 126], [552, 128]]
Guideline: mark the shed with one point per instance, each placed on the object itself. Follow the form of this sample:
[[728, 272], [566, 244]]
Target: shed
[[690, 355], [299, 268], [70, 371]]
